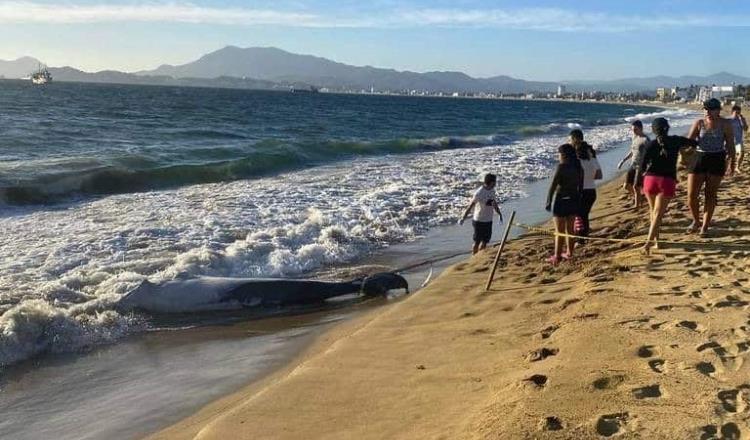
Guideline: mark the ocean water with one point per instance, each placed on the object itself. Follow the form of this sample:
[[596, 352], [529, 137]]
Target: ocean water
[[103, 186]]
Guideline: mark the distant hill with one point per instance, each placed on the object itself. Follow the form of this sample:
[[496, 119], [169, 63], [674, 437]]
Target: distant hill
[[276, 65], [272, 68], [115, 77], [19, 68]]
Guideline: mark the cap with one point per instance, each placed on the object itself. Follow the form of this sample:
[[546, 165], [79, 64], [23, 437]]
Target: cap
[[712, 104]]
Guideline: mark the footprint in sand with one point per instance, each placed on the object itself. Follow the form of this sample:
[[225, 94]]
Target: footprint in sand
[[569, 302], [657, 365], [647, 351], [610, 424], [690, 325], [541, 354], [731, 301], [537, 380], [547, 332], [647, 392], [706, 368], [585, 316], [729, 431], [608, 382], [732, 362], [552, 423], [635, 323], [734, 400]]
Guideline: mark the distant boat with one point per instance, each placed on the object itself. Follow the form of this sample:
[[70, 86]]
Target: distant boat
[[41, 76], [310, 89]]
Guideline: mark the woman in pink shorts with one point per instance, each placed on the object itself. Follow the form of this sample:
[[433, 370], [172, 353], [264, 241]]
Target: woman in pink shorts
[[659, 165]]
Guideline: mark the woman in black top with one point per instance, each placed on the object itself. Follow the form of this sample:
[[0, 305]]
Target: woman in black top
[[566, 187], [659, 164]]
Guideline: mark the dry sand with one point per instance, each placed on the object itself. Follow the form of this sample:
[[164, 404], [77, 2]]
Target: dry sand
[[612, 344]]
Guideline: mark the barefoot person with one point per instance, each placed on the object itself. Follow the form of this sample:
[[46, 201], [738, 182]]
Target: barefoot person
[[484, 203], [659, 168], [714, 159], [635, 155], [739, 127], [566, 188], [592, 171]]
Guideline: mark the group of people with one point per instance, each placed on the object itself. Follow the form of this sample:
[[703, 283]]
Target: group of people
[[712, 149]]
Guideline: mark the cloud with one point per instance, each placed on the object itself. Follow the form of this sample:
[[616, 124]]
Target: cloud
[[28, 12], [560, 20], [541, 19]]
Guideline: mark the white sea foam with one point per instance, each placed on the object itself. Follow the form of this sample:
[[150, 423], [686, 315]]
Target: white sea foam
[[61, 270], [676, 114]]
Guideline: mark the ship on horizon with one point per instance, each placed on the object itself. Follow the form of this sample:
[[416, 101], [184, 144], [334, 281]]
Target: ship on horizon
[[310, 89], [41, 76]]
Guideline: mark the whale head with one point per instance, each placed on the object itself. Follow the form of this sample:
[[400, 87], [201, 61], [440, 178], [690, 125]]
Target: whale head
[[380, 283], [135, 297]]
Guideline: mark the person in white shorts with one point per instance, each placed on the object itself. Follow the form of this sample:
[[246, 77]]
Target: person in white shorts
[[739, 127]]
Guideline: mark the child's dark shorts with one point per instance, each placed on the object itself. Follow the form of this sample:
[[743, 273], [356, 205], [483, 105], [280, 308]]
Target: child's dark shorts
[[482, 231], [566, 206]]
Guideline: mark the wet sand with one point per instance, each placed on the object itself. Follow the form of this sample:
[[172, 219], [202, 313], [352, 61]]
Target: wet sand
[[612, 343]]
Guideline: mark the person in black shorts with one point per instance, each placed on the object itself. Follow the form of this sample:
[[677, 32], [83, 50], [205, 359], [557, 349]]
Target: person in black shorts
[[635, 155], [484, 203], [714, 159], [567, 189]]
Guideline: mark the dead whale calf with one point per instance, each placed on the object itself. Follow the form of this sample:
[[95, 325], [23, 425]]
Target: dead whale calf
[[214, 293]]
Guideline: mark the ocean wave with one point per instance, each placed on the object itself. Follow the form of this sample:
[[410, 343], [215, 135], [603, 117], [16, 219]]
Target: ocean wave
[[267, 157], [677, 113], [140, 172], [37, 326]]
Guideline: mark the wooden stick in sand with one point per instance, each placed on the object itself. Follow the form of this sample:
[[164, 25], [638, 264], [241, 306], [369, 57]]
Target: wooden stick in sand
[[500, 250]]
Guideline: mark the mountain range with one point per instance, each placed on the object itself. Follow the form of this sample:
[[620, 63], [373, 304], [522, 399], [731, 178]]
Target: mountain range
[[272, 68]]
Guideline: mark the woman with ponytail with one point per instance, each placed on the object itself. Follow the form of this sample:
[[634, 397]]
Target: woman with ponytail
[[566, 188], [659, 166]]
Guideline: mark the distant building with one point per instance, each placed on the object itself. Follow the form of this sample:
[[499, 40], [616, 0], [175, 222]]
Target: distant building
[[680, 94], [704, 93], [561, 91], [720, 92], [663, 93]]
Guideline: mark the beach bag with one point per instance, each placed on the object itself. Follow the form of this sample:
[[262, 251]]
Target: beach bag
[[578, 225]]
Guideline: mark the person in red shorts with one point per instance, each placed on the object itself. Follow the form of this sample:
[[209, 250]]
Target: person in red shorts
[[659, 169]]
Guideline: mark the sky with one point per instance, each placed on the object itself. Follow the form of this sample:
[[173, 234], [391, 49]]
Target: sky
[[534, 40]]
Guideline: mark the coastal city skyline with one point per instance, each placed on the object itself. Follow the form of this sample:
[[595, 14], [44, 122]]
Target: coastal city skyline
[[550, 41]]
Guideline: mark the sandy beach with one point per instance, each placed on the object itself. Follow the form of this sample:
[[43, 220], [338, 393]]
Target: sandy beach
[[614, 343]]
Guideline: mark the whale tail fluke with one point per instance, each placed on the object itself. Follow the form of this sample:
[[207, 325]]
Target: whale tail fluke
[[380, 283]]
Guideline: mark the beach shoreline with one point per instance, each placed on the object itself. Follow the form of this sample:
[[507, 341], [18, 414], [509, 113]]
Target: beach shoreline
[[483, 370]]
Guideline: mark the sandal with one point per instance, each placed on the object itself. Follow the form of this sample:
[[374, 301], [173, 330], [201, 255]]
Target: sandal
[[553, 260], [566, 256], [693, 228]]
